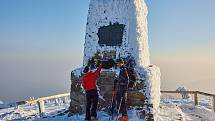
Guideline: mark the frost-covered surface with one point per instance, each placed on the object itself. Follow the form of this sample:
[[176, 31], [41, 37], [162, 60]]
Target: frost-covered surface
[[131, 13], [18, 114], [30, 112], [205, 102], [203, 112], [197, 113], [151, 80], [151, 77], [170, 110], [7, 105], [77, 72]]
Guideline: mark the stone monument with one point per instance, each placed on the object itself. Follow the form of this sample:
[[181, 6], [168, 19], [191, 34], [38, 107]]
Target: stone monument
[[118, 29]]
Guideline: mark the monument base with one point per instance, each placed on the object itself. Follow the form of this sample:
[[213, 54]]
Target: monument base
[[143, 95]]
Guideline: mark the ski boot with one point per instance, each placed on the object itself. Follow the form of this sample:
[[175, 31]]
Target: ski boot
[[123, 118]]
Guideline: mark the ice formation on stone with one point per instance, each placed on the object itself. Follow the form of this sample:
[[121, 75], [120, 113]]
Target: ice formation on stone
[[130, 13], [118, 29]]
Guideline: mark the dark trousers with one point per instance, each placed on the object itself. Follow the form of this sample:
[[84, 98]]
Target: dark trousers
[[121, 98], [91, 106]]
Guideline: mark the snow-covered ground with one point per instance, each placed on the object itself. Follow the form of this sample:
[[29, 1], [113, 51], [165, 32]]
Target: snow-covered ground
[[170, 110]]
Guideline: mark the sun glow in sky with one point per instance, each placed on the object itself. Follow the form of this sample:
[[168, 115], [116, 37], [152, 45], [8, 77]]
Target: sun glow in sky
[[41, 41]]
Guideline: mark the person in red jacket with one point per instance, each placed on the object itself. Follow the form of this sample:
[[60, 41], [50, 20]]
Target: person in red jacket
[[89, 85]]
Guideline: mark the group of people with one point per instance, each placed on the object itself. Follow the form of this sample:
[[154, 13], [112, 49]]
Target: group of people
[[121, 84]]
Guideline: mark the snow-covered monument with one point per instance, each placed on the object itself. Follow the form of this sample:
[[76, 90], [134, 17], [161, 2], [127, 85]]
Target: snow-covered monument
[[118, 29]]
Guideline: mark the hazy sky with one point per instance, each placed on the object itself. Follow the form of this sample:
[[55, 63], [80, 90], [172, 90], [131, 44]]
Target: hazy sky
[[41, 41]]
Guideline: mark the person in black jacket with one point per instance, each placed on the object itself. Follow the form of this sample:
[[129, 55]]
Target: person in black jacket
[[121, 90], [130, 65]]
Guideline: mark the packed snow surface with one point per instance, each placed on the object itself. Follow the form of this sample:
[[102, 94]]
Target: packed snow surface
[[170, 110]]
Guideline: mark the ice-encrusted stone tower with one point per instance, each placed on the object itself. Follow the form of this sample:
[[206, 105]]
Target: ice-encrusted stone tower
[[117, 26], [118, 29]]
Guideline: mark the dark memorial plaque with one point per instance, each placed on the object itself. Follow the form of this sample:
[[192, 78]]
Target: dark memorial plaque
[[111, 35]]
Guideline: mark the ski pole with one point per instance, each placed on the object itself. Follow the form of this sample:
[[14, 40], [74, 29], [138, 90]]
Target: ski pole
[[113, 95], [112, 103], [120, 104], [112, 100]]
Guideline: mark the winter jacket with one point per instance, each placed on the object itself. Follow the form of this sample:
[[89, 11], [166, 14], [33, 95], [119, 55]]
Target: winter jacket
[[89, 79], [123, 80]]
